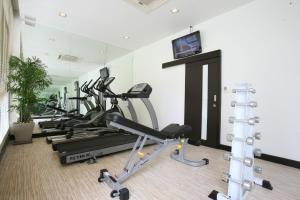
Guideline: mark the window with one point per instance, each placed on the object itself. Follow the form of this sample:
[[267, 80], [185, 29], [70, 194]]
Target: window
[[1, 40]]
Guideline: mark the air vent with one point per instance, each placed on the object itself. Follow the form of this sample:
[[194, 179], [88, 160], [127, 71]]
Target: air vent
[[147, 5], [69, 58], [146, 2], [30, 21]]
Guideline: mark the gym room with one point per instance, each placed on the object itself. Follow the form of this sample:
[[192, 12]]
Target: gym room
[[149, 99]]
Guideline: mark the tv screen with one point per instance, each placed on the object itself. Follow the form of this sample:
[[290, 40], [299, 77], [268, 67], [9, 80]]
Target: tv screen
[[187, 45]]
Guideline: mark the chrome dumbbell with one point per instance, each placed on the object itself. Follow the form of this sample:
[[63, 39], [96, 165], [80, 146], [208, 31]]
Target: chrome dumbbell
[[257, 136], [248, 140], [225, 177], [253, 120], [246, 184], [251, 104], [257, 152], [257, 169], [246, 161], [250, 121], [252, 90]]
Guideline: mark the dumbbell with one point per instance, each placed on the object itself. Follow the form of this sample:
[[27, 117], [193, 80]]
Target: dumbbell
[[257, 136], [257, 169], [253, 120], [251, 104], [250, 121], [257, 152], [248, 140], [252, 90], [246, 184], [246, 161]]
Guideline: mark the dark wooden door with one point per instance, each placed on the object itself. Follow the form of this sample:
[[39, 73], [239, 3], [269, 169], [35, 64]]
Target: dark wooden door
[[203, 101]]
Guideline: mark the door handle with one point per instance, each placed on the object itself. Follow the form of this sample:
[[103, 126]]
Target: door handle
[[215, 101]]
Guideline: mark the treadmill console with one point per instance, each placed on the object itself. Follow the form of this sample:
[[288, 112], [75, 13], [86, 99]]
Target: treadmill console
[[104, 73], [141, 90]]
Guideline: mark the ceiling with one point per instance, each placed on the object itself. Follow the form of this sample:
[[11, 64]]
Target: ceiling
[[111, 20]]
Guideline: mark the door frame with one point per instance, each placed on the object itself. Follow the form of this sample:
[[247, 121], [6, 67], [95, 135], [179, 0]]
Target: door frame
[[216, 142], [217, 54], [208, 58]]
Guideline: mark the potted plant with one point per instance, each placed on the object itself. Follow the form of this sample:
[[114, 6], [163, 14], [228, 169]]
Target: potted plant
[[26, 80]]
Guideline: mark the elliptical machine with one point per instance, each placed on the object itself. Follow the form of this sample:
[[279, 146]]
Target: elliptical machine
[[85, 129]]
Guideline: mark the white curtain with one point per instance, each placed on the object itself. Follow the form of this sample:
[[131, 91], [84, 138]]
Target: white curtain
[[6, 21], [6, 18]]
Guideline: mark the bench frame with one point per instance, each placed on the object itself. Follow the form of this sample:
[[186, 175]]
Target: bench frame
[[137, 159]]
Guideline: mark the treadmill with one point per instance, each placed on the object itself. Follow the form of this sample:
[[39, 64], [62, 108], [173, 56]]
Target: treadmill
[[107, 143]]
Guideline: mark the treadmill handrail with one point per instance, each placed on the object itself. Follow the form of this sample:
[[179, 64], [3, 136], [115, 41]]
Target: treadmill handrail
[[78, 98], [125, 95], [56, 108]]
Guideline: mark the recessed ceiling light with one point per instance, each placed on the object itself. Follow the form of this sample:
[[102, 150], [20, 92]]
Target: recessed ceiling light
[[126, 37], [62, 14], [174, 10]]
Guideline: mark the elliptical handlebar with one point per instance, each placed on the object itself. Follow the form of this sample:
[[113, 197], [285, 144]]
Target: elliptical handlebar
[[90, 89], [87, 85], [86, 88], [82, 87], [93, 85], [102, 85]]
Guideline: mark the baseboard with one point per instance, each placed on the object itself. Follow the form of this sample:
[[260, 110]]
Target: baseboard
[[274, 159], [11, 137], [35, 135], [195, 143], [225, 147], [4, 144]]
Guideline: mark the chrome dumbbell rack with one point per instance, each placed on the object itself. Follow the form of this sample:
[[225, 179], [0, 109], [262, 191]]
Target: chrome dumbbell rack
[[240, 177]]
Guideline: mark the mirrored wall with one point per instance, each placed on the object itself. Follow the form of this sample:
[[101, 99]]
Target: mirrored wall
[[70, 57]]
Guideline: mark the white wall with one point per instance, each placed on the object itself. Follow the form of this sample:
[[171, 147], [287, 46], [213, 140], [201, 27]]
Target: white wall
[[260, 44]]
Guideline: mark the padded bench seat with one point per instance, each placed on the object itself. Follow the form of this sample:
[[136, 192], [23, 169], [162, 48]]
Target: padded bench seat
[[170, 132], [176, 131]]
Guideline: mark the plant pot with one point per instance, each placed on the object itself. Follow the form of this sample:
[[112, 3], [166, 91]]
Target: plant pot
[[22, 132]]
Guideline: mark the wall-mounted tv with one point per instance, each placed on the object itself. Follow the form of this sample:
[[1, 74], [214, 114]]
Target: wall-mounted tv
[[187, 45]]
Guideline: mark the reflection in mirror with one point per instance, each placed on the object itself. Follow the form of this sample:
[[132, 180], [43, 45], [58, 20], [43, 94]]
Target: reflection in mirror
[[70, 57]]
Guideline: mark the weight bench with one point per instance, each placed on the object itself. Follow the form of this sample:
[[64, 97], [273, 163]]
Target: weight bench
[[172, 134]]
